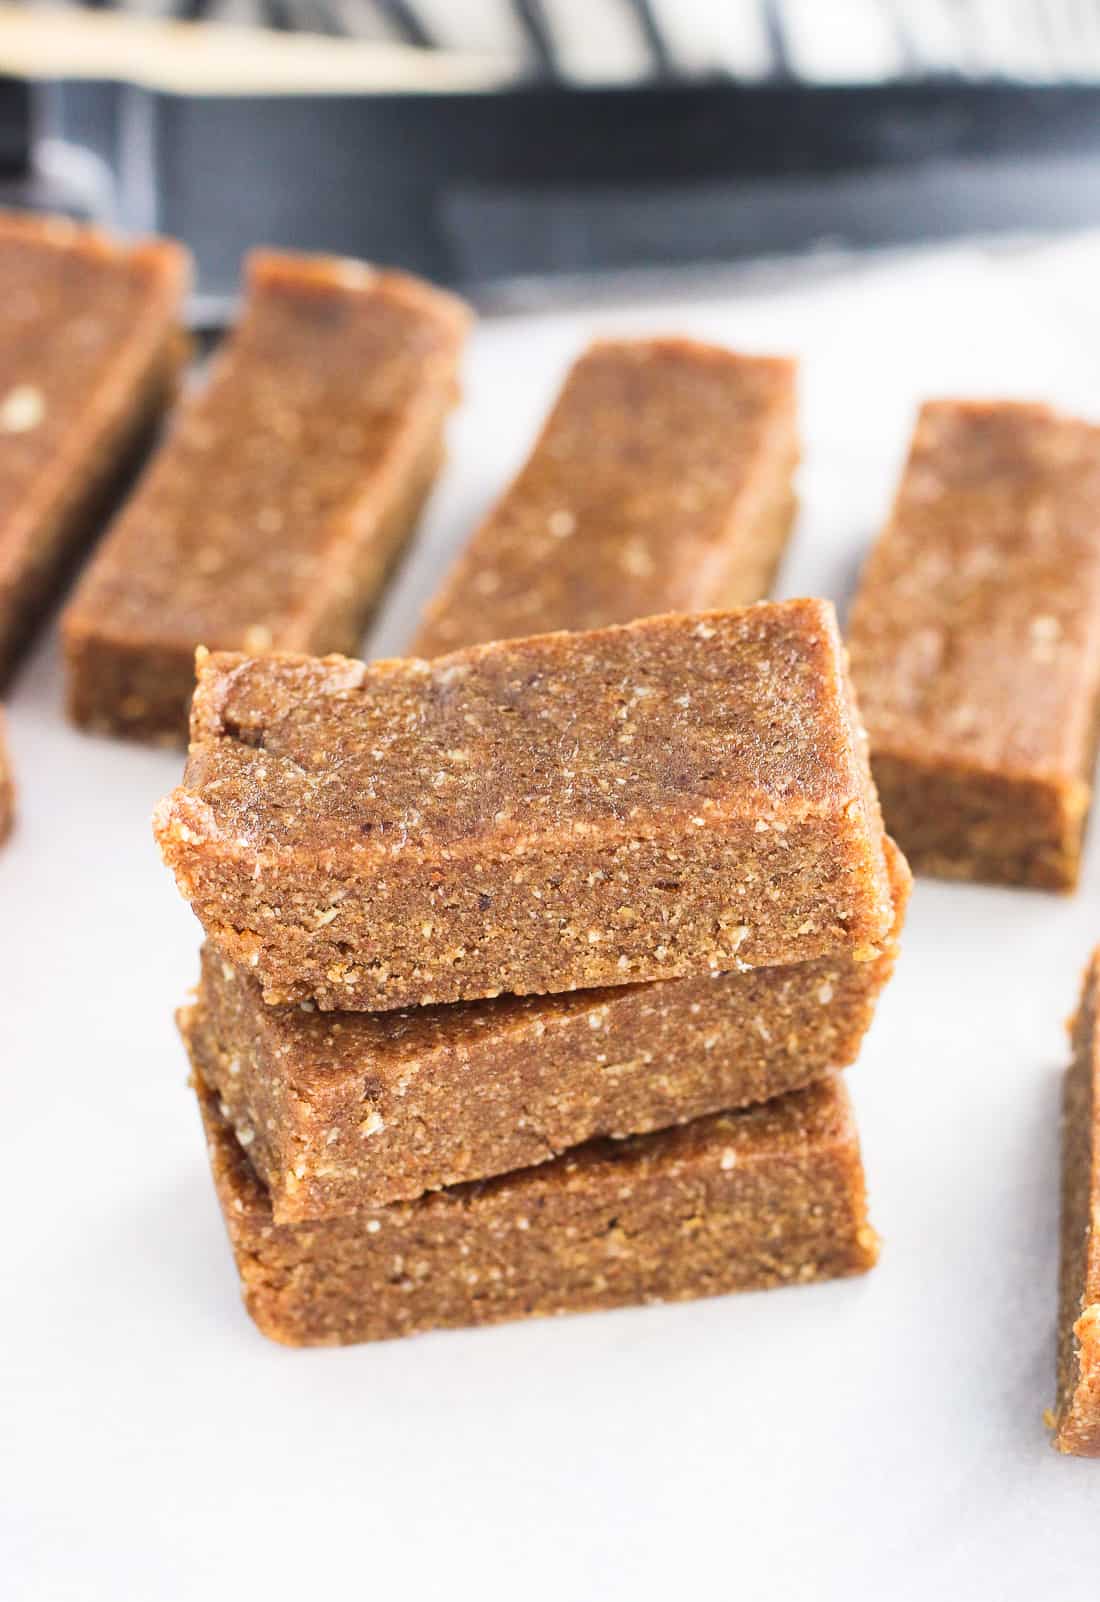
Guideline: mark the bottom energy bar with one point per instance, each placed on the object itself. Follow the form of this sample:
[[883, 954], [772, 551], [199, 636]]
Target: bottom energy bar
[[771, 1195]]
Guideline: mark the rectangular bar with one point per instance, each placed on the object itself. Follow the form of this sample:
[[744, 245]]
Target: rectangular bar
[[90, 351], [661, 482], [683, 795], [773, 1195], [273, 512], [7, 786], [1076, 1419], [341, 1111], [975, 643]]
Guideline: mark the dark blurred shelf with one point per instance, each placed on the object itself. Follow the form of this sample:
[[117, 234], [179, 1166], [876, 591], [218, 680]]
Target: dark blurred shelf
[[476, 188], [15, 128]]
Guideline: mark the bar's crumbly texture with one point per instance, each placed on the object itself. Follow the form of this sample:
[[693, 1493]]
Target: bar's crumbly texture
[[341, 1111], [7, 786], [772, 1195], [677, 796], [272, 513], [1077, 1409], [975, 644], [90, 351], [661, 482]]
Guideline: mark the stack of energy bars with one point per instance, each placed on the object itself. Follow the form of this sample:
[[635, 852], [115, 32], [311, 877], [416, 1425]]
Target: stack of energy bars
[[529, 967], [529, 971]]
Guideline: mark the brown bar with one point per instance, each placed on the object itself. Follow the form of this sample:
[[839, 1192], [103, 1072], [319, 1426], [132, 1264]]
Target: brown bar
[[91, 349], [272, 514], [770, 1196], [7, 787], [678, 796], [661, 482], [1076, 1420], [645, 435], [341, 1111], [975, 642]]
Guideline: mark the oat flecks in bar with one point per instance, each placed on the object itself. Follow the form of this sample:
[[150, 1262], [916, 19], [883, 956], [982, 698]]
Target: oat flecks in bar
[[975, 642], [346, 1110], [661, 481], [273, 512], [677, 796], [7, 786], [1077, 1409], [770, 1196], [90, 350]]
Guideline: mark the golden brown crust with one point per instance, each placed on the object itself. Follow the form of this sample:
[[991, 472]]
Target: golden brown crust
[[675, 796], [271, 515], [346, 1110], [770, 1196], [975, 643], [661, 481], [1077, 1409], [89, 354]]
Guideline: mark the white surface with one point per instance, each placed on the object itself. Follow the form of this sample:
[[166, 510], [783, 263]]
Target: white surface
[[878, 1437]]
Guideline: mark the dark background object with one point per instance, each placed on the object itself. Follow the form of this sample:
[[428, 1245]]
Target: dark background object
[[15, 128], [476, 189]]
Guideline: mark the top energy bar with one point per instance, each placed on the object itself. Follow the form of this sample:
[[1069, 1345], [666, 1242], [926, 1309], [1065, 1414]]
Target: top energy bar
[[975, 644], [661, 481], [90, 351], [680, 795], [270, 517]]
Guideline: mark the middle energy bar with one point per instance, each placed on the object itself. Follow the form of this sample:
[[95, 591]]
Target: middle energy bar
[[682, 795], [340, 1111]]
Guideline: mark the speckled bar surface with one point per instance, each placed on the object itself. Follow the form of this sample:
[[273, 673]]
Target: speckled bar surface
[[272, 514], [340, 1111], [1076, 1419], [683, 795], [773, 1195], [975, 644], [90, 352], [660, 482]]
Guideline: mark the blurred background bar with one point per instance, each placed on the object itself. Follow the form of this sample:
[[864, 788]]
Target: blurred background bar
[[500, 145]]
